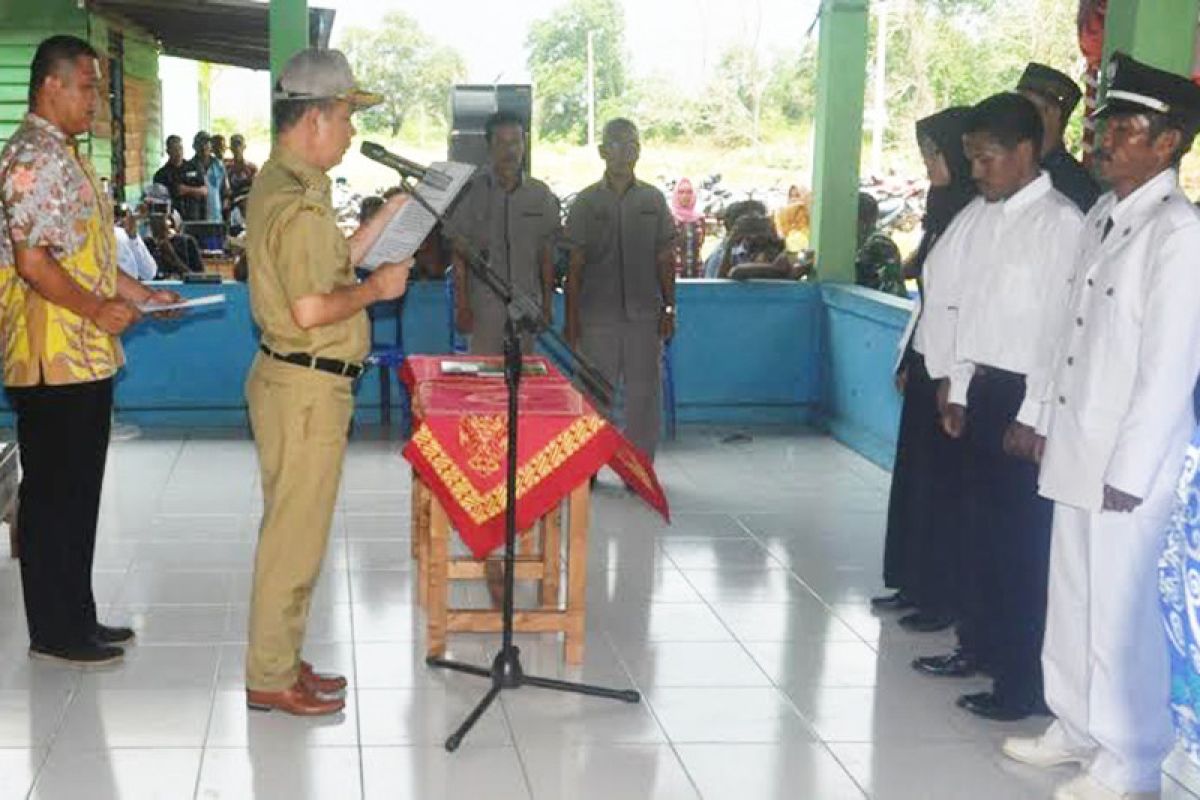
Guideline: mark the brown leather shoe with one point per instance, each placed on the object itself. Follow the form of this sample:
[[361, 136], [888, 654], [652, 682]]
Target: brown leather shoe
[[320, 682], [297, 700]]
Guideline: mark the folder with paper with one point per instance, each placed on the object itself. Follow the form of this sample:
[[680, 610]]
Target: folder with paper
[[404, 234]]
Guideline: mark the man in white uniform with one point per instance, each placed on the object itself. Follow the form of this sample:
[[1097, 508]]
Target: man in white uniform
[[1119, 419], [1020, 235]]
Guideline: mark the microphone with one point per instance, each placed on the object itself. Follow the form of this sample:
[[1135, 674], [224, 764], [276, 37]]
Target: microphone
[[409, 169]]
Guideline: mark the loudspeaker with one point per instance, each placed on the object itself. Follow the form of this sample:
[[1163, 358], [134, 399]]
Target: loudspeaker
[[470, 107]]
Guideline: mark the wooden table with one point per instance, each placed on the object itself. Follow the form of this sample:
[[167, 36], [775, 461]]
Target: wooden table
[[458, 454], [436, 568]]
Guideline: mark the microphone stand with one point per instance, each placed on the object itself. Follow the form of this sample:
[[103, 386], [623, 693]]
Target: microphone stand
[[523, 315]]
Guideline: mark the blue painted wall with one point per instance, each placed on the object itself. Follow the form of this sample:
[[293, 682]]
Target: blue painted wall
[[744, 353], [861, 330]]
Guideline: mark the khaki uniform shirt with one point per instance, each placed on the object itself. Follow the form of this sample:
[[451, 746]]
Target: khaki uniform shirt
[[511, 230], [621, 237], [50, 197], [294, 249]]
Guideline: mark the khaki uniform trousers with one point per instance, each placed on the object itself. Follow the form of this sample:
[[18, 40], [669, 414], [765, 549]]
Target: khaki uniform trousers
[[300, 418], [629, 354]]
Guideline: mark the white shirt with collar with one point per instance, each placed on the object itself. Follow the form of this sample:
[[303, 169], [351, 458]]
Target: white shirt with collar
[[134, 258], [1128, 352], [1022, 250]]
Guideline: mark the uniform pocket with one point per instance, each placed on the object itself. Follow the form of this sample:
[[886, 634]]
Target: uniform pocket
[[326, 416]]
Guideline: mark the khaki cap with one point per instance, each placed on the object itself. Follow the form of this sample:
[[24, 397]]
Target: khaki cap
[[315, 74]]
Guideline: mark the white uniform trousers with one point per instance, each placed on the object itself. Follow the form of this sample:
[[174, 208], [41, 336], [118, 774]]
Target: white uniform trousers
[[1107, 670]]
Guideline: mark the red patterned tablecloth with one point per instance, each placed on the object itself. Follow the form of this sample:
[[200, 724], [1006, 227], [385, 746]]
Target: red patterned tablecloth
[[460, 440]]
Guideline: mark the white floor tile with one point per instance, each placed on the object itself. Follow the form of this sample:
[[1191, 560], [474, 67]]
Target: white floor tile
[[235, 725], [606, 771], [145, 666], [119, 774], [745, 623], [542, 717], [722, 714], [692, 664], [944, 771], [427, 715], [268, 773], [19, 766], [148, 718], [29, 717], [471, 773], [767, 772]]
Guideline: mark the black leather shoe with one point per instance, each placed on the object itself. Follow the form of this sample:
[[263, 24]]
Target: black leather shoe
[[988, 706], [923, 622], [109, 635], [952, 665], [87, 655], [891, 602]]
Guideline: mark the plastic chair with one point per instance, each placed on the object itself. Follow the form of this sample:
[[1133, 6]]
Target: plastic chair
[[668, 378], [457, 343], [386, 357]]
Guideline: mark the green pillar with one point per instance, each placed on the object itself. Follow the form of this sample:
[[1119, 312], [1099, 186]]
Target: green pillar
[[841, 87], [288, 21], [1161, 33]]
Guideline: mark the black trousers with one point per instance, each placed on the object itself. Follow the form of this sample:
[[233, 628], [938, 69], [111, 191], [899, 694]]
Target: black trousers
[[1008, 532], [921, 555], [63, 434]]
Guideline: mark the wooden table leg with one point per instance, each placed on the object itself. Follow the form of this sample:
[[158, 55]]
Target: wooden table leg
[[437, 567], [551, 557], [414, 511], [577, 553], [420, 531]]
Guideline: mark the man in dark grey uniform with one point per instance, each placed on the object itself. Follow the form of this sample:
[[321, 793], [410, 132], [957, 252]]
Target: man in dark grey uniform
[[1056, 97], [512, 220], [621, 285]]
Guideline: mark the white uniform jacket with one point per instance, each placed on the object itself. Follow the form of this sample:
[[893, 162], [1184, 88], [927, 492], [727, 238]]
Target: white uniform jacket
[[1128, 353]]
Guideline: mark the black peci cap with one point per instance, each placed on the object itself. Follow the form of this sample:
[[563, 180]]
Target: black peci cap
[[1055, 86]]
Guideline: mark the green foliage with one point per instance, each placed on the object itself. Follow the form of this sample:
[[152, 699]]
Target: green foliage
[[557, 47], [409, 68], [957, 52]]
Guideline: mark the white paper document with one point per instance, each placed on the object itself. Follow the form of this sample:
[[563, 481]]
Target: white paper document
[[196, 302], [404, 234]]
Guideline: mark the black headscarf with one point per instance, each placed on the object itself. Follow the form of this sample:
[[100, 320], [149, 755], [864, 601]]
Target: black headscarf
[[945, 129]]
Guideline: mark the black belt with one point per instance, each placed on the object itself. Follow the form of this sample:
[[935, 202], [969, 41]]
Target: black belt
[[344, 368]]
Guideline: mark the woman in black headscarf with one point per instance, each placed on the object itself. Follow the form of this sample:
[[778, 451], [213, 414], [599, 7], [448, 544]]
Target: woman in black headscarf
[[919, 560]]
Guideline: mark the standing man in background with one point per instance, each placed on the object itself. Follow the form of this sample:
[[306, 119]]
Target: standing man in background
[[65, 303], [621, 283], [315, 335], [1117, 427], [512, 221], [183, 180], [213, 172], [1056, 96]]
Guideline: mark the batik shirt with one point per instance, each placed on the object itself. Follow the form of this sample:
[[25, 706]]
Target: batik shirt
[[1179, 591], [51, 198]]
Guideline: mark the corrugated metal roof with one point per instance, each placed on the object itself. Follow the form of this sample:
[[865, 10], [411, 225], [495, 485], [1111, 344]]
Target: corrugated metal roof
[[219, 31]]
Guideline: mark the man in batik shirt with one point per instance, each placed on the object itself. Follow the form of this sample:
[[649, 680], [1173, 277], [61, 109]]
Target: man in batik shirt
[[63, 303]]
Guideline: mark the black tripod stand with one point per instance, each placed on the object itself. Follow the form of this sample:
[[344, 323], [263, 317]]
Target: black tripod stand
[[523, 316]]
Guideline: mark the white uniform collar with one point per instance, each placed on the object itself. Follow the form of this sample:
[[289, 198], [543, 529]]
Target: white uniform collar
[[1031, 192], [1161, 185]]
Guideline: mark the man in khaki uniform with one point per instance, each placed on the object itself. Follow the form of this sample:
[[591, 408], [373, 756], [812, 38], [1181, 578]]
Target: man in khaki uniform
[[512, 220], [315, 335], [621, 285]]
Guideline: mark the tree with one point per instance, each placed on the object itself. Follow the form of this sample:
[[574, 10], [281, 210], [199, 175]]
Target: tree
[[412, 71], [557, 58], [957, 52]]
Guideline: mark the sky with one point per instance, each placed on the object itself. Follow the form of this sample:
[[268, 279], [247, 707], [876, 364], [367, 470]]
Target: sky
[[677, 39]]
